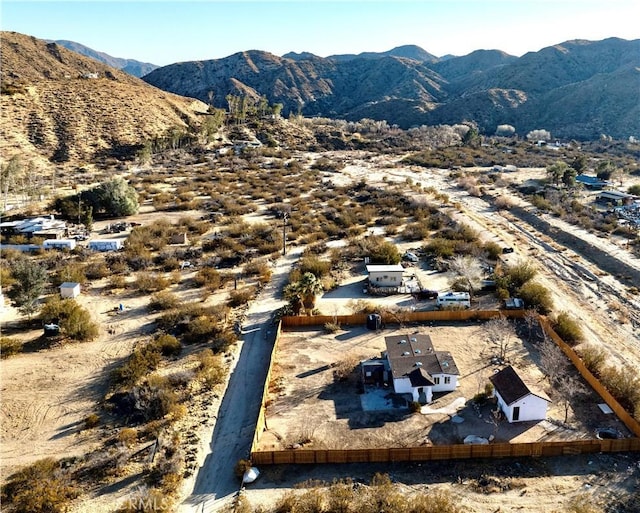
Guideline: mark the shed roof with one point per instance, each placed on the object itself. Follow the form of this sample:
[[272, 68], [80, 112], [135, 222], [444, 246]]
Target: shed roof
[[69, 285], [385, 268], [510, 386]]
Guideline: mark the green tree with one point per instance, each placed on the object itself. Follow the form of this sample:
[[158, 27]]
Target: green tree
[[75, 321], [116, 198], [472, 138], [29, 280], [8, 176], [384, 253], [579, 163], [569, 177], [536, 297], [556, 171]]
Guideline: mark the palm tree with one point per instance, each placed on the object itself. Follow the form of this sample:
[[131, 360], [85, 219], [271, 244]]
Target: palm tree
[[310, 286]]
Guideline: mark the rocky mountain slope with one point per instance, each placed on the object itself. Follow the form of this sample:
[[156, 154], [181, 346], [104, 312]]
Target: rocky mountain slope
[[577, 89], [131, 66], [61, 106]]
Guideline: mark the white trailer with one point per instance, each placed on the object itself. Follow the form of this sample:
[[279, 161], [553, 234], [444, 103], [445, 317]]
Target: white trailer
[[59, 244], [105, 244], [453, 299]]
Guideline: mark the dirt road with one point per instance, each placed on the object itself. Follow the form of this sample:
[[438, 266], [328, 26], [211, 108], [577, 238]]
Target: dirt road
[[215, 483]]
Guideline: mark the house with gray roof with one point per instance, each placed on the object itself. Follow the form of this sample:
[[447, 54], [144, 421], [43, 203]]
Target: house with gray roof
[[416, 368]]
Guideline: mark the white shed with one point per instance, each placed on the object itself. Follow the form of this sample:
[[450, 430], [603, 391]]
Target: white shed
[[385, 275], [69, 289], [515, 398], [59, 244]]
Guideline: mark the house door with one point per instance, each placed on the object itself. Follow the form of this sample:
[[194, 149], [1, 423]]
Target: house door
[[516, 413], [422, 398]]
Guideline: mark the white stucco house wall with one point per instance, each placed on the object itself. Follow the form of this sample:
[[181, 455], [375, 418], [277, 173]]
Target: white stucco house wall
[[516, 399], [69, 289], [385, 275], [416, 368]]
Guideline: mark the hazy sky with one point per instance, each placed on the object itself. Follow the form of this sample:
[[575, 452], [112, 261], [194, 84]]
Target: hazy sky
[[163, 32]]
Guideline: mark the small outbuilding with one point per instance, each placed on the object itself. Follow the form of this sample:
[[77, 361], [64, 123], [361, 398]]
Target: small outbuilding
[[105, 244], [385, 275], [69, 289], [516, 399]]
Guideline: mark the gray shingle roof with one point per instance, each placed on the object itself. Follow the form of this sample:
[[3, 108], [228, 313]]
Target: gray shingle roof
[[413, 356]]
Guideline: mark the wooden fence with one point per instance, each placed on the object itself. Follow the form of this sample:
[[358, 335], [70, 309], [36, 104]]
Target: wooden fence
[[401, 317], [443, 452]]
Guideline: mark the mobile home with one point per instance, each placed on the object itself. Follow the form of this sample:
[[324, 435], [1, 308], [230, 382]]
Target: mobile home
[[105, 245], [59, 244]]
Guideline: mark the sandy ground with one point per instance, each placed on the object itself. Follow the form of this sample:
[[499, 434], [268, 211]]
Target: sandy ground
[[310, 407], [47, 393]]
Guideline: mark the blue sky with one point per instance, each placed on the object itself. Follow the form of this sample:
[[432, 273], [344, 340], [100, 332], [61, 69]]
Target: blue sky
[[163, 32]]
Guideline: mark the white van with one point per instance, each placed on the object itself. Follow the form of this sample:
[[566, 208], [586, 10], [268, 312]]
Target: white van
[[454, 299]]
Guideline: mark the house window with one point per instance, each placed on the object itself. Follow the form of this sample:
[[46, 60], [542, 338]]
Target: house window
[[436, 381], [447, 380], [367, 374]]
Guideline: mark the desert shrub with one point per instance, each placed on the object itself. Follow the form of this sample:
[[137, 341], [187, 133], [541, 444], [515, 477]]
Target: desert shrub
[[536, 297], [492, 249], [211, 369], [439, 247], [97, 270], [141, 362], [147, 282], [332, 327], [167, 345], [540, 203], [582, 504], [70, 272], [154, 399], [9, 347], [312, 264], [128, 436], [593, 357], [163, 300], [241, 297], [117, 281], [514, 277], [42, 487], [75, 321], [414, 406], [241, 467], [201, 329], [624, 385], [503, 203], [91, 421], [568, 328], [208, 277]]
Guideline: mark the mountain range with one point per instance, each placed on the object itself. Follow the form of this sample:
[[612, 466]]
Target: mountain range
[[131, 66], [577, 89], [60, 106]]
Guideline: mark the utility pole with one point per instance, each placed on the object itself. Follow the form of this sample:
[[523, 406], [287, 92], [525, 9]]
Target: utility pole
[[285, 216]]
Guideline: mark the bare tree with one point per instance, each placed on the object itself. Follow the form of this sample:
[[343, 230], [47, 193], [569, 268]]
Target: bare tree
[[469, 270], [532, 321], [500, 333], [553, 361], [568, 388]]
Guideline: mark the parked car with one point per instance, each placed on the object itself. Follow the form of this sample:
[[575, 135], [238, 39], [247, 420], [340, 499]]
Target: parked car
[[513, 303], [426, 294], [410, 257]]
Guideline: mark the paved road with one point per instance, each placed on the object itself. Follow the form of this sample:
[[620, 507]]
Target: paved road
[[216, 483]]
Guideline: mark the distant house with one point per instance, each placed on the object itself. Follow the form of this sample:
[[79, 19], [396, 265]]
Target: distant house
[[592, 182], [69, 289], [45, 227], [615, 198], [516, 400], [385, 275], [416, 368]]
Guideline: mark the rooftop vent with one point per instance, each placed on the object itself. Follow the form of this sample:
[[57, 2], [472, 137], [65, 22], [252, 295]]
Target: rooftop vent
[[417, 351], [406, 353], [418, 364], [445, 364], [403, 341], [414, 339]]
